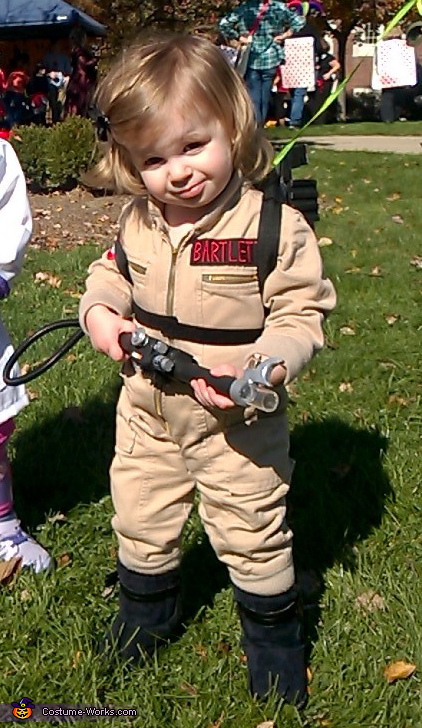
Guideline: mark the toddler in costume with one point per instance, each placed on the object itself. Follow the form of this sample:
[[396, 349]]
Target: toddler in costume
[[15, 232], [181, 137]]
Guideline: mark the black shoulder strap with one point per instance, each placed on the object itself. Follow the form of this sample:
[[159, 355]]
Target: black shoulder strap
[[121, 261], [269, 227]]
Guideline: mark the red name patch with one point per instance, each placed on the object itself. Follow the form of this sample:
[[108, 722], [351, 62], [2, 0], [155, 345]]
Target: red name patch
[[231, 251]]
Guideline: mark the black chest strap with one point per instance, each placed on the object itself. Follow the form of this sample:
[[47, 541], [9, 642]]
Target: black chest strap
[[266, 259]]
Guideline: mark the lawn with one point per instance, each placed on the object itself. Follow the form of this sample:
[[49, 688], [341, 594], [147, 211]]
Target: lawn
[[354, 128], [355, 502]]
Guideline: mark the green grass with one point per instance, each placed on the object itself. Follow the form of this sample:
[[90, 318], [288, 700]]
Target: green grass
[[354, 128], [355, 501]]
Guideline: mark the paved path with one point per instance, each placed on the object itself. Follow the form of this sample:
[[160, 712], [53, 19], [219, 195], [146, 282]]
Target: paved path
[[398, 144]]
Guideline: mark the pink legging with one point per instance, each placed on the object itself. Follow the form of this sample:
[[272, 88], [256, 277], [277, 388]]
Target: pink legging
[[6, 494]]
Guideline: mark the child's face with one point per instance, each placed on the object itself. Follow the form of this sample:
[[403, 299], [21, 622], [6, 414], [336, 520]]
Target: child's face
[[187, 167]]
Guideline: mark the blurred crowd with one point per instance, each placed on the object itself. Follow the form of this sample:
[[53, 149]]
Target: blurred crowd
[[265, 29], [60, 85]]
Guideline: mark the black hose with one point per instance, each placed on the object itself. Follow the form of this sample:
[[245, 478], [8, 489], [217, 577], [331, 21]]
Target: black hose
[[47, 363]]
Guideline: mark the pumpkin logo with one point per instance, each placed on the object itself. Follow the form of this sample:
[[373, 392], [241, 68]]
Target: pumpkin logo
[[23, 709]]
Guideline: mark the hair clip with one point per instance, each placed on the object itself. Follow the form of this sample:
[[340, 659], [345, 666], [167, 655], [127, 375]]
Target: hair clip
[[102, 124]]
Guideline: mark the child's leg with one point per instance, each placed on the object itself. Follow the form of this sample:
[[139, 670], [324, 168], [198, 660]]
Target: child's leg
[[152, 495], [243, 510], [14, 542]]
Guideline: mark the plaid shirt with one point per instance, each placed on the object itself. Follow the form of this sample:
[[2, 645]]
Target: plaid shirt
[[278, 18]]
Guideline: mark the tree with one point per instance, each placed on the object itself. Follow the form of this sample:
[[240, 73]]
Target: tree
[[342, 16], [125, 18]]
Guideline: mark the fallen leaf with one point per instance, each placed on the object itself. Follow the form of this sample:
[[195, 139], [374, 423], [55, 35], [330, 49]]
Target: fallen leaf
[[376, 271], [347, 331], [370, 601], [399, 671], [64, 560], [417, 262], [345, 387], [201, 651], [391, 318], [8, 569], [53, 281], [223, 648], [218, 722], [25, 595], [396, 399], [57, 518], [32, 395], [397, 218], [190, 689], [324, 242], [395, 196], [107, 591], [266, 724], [355, 269], [76, 659]]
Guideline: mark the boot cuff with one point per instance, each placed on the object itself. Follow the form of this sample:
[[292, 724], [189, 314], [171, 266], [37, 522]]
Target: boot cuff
[[147, 584]]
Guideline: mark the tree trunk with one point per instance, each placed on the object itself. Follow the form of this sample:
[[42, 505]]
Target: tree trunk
[[342, 36]]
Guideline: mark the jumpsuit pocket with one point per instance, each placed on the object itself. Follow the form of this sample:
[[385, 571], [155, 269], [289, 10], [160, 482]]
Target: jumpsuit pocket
[[138, 272], [125, 436], [231, 300]]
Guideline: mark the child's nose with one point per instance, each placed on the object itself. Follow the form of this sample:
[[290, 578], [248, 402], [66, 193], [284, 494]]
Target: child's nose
[[179, 169]]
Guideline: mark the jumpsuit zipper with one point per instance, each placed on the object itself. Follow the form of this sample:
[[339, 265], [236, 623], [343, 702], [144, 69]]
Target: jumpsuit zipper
[[158, 394]]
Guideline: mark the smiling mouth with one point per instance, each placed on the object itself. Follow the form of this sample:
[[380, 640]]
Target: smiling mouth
[[193, 191]]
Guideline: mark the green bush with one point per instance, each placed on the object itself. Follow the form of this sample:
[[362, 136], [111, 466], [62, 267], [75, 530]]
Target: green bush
[[55, 157]]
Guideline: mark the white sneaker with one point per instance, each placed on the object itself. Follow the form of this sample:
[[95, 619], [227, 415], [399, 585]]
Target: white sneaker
[[14, 542]]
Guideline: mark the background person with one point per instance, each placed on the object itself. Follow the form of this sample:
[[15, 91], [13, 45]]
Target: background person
[[59, 68], [38, 88], [15, 232], [276, 24], [15, 97], [83, 79], [298, 94], [327, 69]]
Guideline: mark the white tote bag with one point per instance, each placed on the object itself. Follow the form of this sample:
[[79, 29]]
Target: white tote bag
[[394, 64]]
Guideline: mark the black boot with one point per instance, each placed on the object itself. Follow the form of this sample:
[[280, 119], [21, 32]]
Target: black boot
[[273, 645], [149, 613]]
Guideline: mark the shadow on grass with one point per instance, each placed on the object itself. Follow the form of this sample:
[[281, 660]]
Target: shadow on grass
[[63, 461], [336, 499], [337, 496]]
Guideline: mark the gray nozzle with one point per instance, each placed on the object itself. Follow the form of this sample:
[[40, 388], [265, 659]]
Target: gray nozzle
[[139, 337]]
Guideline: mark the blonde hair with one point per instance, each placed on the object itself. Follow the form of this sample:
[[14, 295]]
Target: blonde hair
[[174, 73]]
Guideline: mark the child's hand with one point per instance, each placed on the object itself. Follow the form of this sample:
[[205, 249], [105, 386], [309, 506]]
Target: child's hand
[[207, 395], [104, 328]]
